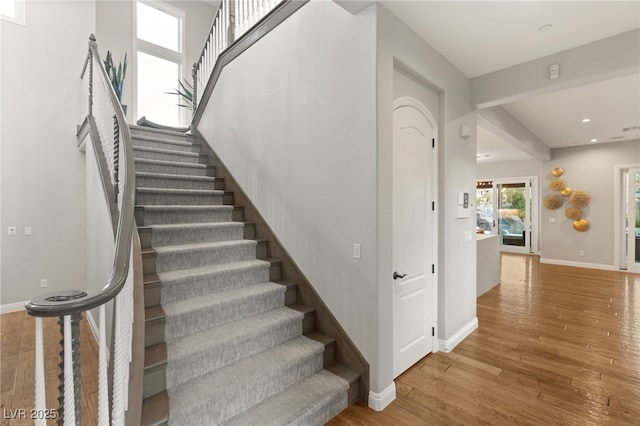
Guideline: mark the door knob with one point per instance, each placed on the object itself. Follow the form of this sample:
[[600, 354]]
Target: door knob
[[397, 276]]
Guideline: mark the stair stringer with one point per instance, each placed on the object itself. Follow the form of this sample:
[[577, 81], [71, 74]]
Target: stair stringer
[[346, 352]]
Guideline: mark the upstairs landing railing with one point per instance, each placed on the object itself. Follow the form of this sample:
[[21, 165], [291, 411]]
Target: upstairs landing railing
[[234, 20], [111, 139]]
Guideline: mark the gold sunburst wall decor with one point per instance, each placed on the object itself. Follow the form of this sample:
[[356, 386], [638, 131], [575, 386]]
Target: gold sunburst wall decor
[[573, 213], [557, 184], [581, 225], [566, 192], [552, 201], [580, 198]]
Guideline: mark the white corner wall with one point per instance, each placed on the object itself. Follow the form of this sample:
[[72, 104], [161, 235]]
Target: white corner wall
[[293, 118], [43, 181], [588, 168]]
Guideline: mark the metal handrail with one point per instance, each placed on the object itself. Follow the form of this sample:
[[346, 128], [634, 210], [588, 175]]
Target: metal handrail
[[74, 301]]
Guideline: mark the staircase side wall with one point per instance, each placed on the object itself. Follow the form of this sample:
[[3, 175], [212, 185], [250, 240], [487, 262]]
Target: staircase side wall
[[293, 118]]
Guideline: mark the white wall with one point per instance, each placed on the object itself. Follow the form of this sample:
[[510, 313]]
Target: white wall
[[589, 168], [43, 181], [456, 269], [293, 118], [506, 169]]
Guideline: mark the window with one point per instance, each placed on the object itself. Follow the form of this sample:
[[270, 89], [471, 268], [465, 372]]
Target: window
[[13, 11], [160, 60]]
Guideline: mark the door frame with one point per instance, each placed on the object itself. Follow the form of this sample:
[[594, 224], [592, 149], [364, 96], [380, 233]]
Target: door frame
[[620, 246], [531, 182], [412, 102]]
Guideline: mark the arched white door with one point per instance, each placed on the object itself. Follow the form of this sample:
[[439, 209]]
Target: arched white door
[[414, 233]]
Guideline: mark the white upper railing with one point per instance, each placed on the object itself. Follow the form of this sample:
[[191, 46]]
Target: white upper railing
[[233, 20]]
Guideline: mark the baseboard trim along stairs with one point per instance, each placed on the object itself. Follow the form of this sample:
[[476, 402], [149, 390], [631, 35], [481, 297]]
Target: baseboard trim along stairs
[[230, 337]]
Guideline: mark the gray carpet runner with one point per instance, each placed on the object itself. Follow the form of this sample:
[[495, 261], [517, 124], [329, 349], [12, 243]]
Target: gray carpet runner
[[235, 353]]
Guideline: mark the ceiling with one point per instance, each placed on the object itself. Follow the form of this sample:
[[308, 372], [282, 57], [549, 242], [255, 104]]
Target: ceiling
[[498, 34]]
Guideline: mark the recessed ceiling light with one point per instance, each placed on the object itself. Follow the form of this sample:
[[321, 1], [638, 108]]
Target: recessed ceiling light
[[586, 120], [545, 27], [594, 140]]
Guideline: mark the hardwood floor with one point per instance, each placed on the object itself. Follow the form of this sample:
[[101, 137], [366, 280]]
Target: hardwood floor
[[17, 366], [555, 346]]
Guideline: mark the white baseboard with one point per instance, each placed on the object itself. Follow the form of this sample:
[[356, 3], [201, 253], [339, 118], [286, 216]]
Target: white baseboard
[[378, 401], [452, 342], [579, 264], [12, 307]]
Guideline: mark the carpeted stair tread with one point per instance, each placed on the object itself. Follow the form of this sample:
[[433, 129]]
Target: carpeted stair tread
[[200, 353], [175, 176], [228, 391], [194, 255], [139, 150], [151, 190], [173, 207], [195, 282], [312, 401], [192, 315], [170, 163], [188, 226]]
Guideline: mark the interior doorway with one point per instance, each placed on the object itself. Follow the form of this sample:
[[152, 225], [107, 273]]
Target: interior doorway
[[508, 207], [414, 233], [629, 228]]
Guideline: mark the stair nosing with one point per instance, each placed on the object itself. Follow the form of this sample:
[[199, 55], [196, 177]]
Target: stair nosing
[[171, 163], [153, 175]]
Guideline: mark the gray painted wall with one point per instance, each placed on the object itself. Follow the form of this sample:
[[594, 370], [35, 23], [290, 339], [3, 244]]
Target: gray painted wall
[[43, 181], [589, 168], [294, 120]]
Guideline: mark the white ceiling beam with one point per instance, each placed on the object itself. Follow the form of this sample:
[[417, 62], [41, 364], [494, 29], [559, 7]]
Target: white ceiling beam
[[502, 124], [605, 59], [353, 6]]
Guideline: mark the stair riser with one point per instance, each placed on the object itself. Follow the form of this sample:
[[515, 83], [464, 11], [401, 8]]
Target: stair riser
[[260, 390], [154, 332], [155, 381], [161, 238], [152, 155], [153, 182], [175, 169], [160, 199], [167, 217], [210, 256], [181, 370], [174, 291], [198, 320], [162, 144], [165, 136]]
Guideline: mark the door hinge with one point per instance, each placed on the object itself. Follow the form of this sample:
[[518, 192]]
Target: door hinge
[[433, 331], [433, 142], [433, 268]]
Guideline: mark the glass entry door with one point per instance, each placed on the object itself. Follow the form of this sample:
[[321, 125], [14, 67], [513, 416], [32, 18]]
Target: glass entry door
[[508, 208], [633, 220]]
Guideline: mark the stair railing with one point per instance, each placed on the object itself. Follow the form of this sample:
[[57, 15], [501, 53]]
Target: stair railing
[[109, 125], [234, 19]]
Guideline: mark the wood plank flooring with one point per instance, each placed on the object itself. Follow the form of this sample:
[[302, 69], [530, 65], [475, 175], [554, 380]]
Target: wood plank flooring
[[17, 367], [555, 346]]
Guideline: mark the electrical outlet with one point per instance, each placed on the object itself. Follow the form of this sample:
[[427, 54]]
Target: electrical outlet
[[44, 283], [581, 252], [28, 230]]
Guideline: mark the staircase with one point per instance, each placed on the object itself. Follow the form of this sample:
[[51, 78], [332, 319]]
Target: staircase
[[226, 340]]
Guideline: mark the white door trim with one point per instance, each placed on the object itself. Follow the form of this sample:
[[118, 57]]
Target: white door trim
[[412, 102], [619, 247]]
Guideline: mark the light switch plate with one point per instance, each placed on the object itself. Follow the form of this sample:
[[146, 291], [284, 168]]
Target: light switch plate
[[12, 231]]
